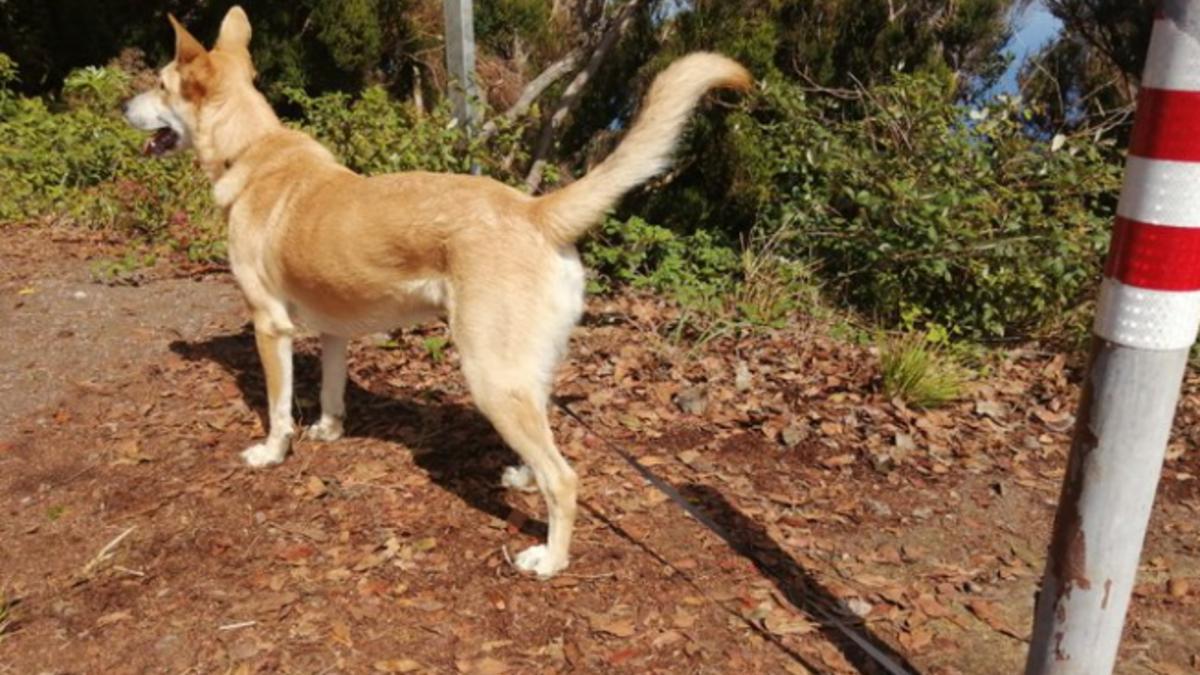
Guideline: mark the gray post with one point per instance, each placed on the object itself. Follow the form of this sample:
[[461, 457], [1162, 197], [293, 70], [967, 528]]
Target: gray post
[[460, 59], [1117, 454], [1146, 322]]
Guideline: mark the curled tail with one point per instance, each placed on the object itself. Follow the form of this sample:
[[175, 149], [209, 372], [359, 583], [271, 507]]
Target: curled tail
[[565, 215]]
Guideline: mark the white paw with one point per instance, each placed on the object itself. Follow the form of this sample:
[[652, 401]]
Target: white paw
[[537, 559], [263, 454], [327, 430], [519, 478]]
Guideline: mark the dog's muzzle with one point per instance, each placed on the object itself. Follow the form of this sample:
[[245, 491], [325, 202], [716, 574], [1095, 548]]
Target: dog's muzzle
[[147, 112]]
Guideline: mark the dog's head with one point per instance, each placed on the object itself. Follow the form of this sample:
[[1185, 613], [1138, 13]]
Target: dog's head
[[196, 80]]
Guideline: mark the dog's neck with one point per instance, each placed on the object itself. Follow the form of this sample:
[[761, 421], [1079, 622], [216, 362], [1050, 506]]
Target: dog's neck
[[229, 128]]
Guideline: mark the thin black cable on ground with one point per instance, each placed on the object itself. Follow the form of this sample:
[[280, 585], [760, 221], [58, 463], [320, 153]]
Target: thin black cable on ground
[[870, 647]]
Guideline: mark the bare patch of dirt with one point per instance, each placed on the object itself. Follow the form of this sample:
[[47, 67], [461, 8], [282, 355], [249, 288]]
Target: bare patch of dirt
[[386, 551]]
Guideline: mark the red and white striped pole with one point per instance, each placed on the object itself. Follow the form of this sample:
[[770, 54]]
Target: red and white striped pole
[[1146, 323]]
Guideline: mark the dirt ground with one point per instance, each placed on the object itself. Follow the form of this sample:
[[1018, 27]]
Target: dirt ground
[[133, 541]]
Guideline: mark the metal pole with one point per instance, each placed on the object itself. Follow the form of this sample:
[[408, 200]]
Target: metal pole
[[460, 59], [1146, 322]]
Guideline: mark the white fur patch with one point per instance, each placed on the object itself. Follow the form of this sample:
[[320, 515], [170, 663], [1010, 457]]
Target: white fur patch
[[264, 454], [149, 112], [537, 559], [519, 478], [567, 299], [327, 430]]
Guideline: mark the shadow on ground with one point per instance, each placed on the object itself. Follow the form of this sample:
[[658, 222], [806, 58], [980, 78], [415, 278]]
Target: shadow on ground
[[456, 445], [452, 442], [802, 590]]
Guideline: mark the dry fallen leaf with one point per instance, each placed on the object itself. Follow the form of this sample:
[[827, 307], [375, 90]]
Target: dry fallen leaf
[[113, 617], [397, 666], [315, 487], [782, 622], [620, 626], [488, 666], [838, 461], [989, 613], [340, 632]]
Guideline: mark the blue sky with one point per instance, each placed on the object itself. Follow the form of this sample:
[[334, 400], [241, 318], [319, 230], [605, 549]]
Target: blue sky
[[1032, 29]]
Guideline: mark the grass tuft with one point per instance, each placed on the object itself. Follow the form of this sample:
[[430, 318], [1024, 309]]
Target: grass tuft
[[6, 619], [920, 372]]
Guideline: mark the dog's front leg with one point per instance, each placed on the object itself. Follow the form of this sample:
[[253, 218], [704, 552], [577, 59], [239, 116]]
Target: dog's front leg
[[333, 390], [275, 350]]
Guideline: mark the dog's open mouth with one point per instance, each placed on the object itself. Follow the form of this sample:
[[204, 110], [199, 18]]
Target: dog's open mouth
[[162, 142]]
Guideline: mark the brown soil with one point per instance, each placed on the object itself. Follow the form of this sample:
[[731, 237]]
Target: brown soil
[[122, 411]]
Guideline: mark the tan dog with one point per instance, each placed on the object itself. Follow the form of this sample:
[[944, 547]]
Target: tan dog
[[312, 242]]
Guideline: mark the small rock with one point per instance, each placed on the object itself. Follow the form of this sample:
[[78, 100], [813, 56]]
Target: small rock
[[794, 434], [878, 508], [79, 295], [992, 409], [1178, 588], [923, 513], [905, 443], [741, 377], [693, 400], [883, 462], [859, 607], [243, 651]]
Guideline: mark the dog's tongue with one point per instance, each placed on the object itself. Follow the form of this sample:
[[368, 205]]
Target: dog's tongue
[[163, 141]]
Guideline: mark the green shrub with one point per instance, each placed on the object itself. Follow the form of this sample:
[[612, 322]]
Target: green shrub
[[697, 269], [924, 213], [375, 134], [100, 90], [750, 283]]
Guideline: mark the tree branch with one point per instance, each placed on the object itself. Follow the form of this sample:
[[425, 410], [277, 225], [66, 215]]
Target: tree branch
[[536, 88], [574, 93]]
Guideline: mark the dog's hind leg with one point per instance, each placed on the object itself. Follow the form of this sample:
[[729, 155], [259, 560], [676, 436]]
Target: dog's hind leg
[[519, 414], [275, 350], [514, 399], [333, 390]]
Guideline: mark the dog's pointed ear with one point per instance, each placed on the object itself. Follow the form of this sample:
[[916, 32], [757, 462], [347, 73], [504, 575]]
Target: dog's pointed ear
[[187, 47], [235, 30]]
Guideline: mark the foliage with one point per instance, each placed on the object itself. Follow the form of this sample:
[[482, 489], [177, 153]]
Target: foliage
[[927, 213], [350, 30], [750, 284], [83, 163], [697, 269], [374, 134], [500, 23], [919, 372], [6, 618], [97, 89]]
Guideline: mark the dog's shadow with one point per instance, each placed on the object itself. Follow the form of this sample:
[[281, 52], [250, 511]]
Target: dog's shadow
[[453, 443]]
